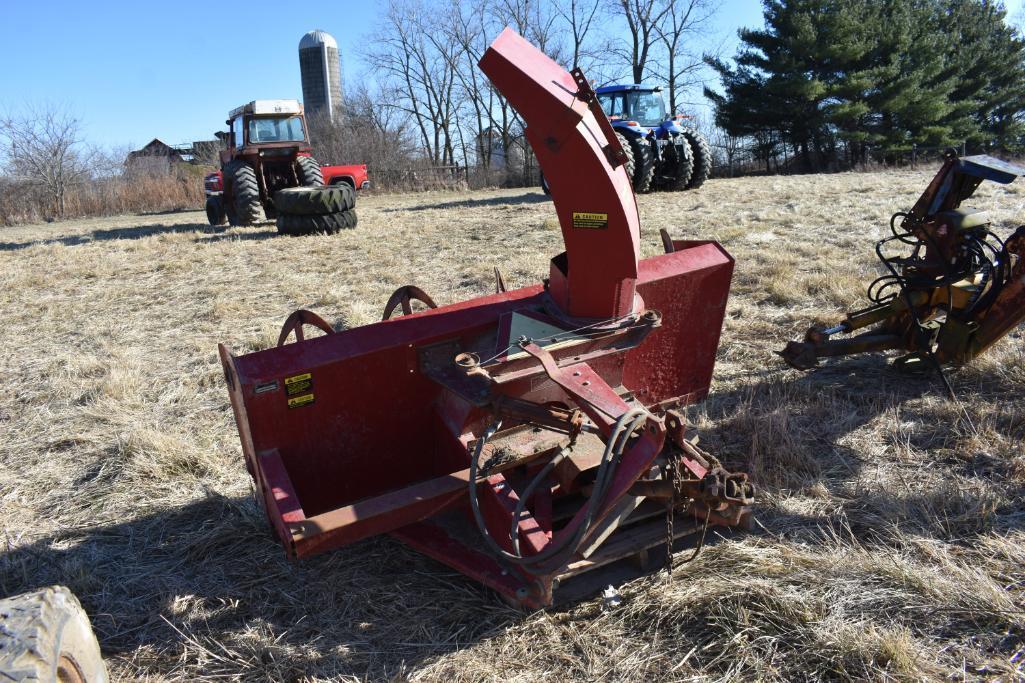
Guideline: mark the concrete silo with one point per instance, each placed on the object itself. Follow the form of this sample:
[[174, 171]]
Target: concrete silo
[[321, 74]]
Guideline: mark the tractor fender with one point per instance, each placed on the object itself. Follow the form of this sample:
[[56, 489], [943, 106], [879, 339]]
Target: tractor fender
[[671, 128], [630, 131]]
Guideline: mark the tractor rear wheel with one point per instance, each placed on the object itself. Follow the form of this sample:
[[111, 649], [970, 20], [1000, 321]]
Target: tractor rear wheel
[[629, 164], [702, 158], [311, 201], [46, 636], [682, 169], [310, 172], [245, 192], [644, 164], [215, 210], [330, 223]]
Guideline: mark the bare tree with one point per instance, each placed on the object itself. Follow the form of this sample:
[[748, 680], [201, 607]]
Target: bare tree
[[469, 31], [727, 150], [409, 56], [684, 19], [369, 132], [643, 21], [579, 15], [44, 145], [532, 19]]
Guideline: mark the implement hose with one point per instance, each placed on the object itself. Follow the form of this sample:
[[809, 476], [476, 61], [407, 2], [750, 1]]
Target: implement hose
[[625, 426]]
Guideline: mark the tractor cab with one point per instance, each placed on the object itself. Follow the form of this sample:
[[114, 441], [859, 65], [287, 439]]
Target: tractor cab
[[263, 124], [633, 103]]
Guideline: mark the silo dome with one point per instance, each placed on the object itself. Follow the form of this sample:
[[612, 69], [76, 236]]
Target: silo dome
[[317, 38]]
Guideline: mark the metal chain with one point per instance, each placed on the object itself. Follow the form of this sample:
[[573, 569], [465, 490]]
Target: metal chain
[[673, 463], [671, 471]]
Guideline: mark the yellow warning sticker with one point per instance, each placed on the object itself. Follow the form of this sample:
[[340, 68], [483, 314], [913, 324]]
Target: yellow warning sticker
[[299, 384], [299, 401], [594, 221]]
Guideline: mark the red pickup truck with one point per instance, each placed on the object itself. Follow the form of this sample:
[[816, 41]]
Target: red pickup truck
[[354, 175]]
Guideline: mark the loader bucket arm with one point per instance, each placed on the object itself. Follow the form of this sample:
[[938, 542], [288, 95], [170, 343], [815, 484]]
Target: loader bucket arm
[[958, 179], [596, 276], [955, 291]]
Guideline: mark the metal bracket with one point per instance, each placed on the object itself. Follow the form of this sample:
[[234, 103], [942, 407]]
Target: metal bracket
[[585, 93]]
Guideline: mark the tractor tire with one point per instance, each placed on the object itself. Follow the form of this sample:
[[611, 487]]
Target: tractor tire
[[45, 636], [682, 170], [215, 210], [310, 173], [644, 164], [629, 165], [306, 224], [315, 201], [702, 158], [245, 192]]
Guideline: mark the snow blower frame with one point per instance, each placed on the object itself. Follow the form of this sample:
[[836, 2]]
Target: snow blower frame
[[522, 438]]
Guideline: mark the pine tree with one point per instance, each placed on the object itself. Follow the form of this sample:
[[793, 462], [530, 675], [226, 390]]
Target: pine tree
[[845, 76]]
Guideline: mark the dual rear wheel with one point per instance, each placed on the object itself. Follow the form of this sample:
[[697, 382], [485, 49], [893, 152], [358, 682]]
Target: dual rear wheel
[[685, 165], [307, 209]]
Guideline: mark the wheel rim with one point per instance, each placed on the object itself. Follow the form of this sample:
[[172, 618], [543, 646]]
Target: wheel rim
[[68, 671]]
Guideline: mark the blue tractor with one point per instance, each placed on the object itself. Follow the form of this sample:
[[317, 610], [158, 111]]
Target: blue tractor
[[665, 154]]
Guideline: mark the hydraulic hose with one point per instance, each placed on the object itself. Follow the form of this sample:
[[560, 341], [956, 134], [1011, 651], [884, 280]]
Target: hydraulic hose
[[624, 427]]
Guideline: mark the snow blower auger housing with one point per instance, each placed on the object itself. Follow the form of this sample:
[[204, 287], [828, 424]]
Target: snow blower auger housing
[[954, 292], [526, 437]]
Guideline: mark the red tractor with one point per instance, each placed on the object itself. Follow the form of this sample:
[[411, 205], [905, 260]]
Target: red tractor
[[268, 169]]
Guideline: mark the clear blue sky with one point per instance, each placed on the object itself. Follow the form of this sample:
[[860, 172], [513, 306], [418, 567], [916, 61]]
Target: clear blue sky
[[137, 70]]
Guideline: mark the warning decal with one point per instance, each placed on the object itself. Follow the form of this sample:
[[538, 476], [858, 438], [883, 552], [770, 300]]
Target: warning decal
[[299, 401], [597, 221], [298, 384]]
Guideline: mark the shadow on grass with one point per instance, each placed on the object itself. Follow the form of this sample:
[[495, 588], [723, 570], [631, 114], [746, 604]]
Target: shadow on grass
[[207, 577], [797, 431], [204, 585], [535, 197], [127, 233], [206, 233]]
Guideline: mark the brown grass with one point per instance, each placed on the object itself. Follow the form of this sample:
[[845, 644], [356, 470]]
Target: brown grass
[[891, 541], [160, 191]]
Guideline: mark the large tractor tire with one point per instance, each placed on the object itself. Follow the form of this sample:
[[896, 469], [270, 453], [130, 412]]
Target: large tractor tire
[[629, 165], [644, 164], [702, 158], [45, 636], [680, 156], [245, 193], [315, 201], [310, 173], [330, 223], [215, 210]]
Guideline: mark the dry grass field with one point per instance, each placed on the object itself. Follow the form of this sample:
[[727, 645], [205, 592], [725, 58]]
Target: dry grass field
[[891, 534]]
